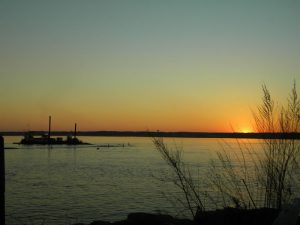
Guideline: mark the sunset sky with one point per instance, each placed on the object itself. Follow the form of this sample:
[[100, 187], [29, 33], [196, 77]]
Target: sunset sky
[[144, 65]]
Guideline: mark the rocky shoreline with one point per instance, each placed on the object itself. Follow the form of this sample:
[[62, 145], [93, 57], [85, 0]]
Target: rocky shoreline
[[227, 216], [145, 219]]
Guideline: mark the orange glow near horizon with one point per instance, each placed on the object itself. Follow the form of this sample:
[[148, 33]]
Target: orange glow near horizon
[[136, 117], [189, 122]]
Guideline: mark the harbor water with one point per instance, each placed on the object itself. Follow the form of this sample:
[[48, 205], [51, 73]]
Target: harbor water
[[71, 184]]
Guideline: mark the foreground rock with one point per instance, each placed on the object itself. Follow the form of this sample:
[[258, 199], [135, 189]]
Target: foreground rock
[[235, 216], [146, 219], [227, 216]]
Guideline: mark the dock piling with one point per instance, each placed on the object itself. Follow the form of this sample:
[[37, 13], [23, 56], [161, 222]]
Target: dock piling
[[2, 180]]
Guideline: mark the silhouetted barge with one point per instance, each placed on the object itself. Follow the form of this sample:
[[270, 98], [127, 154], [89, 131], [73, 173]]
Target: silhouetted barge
[[29, 139], [44, 140]]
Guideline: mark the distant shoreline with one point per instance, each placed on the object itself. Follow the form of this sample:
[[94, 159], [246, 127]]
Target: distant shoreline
[[163, 134]]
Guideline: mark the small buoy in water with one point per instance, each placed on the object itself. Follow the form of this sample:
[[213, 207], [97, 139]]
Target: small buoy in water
[[97, 148]]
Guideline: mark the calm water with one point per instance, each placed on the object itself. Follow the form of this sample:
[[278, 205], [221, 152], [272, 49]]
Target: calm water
[[65, 185]]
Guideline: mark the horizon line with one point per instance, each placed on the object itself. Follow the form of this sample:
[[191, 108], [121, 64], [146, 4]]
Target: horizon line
[[269, 135]]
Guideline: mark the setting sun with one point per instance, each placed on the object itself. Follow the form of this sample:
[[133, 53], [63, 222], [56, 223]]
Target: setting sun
[[246, 130]]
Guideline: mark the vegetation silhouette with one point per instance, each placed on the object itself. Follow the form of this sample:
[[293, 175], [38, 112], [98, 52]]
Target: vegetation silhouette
[[250, 186]]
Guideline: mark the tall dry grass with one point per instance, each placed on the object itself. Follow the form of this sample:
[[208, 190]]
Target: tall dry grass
[[276, 168], [247, 178]]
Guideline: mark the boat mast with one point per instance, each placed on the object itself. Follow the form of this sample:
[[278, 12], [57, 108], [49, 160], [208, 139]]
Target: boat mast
[[49, 130]]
